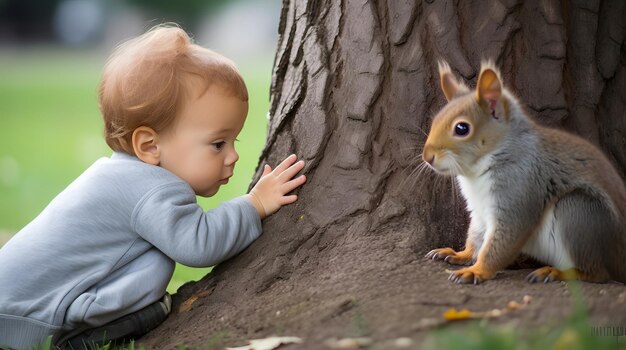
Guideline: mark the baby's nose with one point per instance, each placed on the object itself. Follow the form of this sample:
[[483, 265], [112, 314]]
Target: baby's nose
[[232, 158]]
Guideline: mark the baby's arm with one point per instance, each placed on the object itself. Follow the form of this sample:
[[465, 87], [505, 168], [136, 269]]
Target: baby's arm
[[170, 219], [270, 193]]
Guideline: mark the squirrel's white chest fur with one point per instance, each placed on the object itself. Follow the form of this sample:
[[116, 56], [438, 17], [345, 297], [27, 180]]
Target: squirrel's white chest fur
[[478, 194], [480, 204], [480, 201]]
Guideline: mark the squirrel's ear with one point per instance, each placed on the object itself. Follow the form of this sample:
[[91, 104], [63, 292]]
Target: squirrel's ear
[[449, 85], [145, 143], [489, 87]]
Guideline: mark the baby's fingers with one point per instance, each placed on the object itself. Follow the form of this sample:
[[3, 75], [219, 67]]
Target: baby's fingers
[[291, 171], [285, 164], [288, 199], [266, 170], [293, 184]]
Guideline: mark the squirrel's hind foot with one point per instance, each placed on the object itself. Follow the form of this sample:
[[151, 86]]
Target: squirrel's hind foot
[[551, 274], [548, 274]]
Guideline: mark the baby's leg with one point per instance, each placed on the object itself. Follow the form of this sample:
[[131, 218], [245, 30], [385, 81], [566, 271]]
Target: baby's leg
[[136, 285]]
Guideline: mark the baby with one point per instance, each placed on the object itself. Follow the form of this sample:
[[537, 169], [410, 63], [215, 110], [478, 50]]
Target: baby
[[94, 265]]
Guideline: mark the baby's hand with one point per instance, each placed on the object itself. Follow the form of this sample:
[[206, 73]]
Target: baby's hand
[[269, 194]]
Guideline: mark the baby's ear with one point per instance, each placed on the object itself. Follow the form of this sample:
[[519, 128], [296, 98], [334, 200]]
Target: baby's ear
[[449, 84], [489, 87], [145, 144]]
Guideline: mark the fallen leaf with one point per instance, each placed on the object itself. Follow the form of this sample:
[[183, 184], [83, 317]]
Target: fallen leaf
[[453, 314], [270, 343], [188, 304], [514, 305]]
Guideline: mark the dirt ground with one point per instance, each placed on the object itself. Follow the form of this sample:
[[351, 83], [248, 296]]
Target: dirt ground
[[385, 303]]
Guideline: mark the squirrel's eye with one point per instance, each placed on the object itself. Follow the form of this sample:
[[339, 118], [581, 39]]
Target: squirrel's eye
[[461, 129]]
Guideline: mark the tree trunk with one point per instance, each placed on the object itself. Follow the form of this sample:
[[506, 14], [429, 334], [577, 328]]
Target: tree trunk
[[355, 85]]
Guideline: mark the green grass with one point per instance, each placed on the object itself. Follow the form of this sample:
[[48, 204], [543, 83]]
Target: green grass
[[51, 131]]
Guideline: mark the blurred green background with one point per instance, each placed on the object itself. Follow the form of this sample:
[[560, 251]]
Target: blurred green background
[[50, 126]]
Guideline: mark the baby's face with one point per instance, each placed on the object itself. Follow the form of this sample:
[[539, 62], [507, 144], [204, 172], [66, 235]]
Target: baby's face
[[200, 146]]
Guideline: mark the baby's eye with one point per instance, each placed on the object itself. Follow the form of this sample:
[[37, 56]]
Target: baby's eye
[[218, 145]]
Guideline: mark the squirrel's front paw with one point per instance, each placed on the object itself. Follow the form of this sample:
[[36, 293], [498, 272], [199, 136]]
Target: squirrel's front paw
[[469, 275], [450, 256]]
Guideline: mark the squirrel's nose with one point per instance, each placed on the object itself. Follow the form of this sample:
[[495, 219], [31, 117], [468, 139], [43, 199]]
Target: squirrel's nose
[[428, 156], [431, 160]]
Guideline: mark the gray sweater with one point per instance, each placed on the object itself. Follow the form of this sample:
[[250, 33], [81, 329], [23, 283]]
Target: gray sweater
[[117, 210]]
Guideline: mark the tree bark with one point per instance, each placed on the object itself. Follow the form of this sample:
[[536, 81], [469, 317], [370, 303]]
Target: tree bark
[[355, 84]]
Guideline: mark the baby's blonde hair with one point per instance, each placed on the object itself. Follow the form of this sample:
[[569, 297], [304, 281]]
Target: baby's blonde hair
[[146, 79]]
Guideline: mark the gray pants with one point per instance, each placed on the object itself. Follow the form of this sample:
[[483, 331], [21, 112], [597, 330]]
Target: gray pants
[[134, 286]]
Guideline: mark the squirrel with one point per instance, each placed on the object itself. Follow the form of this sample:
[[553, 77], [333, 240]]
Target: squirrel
[[529, 188]]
